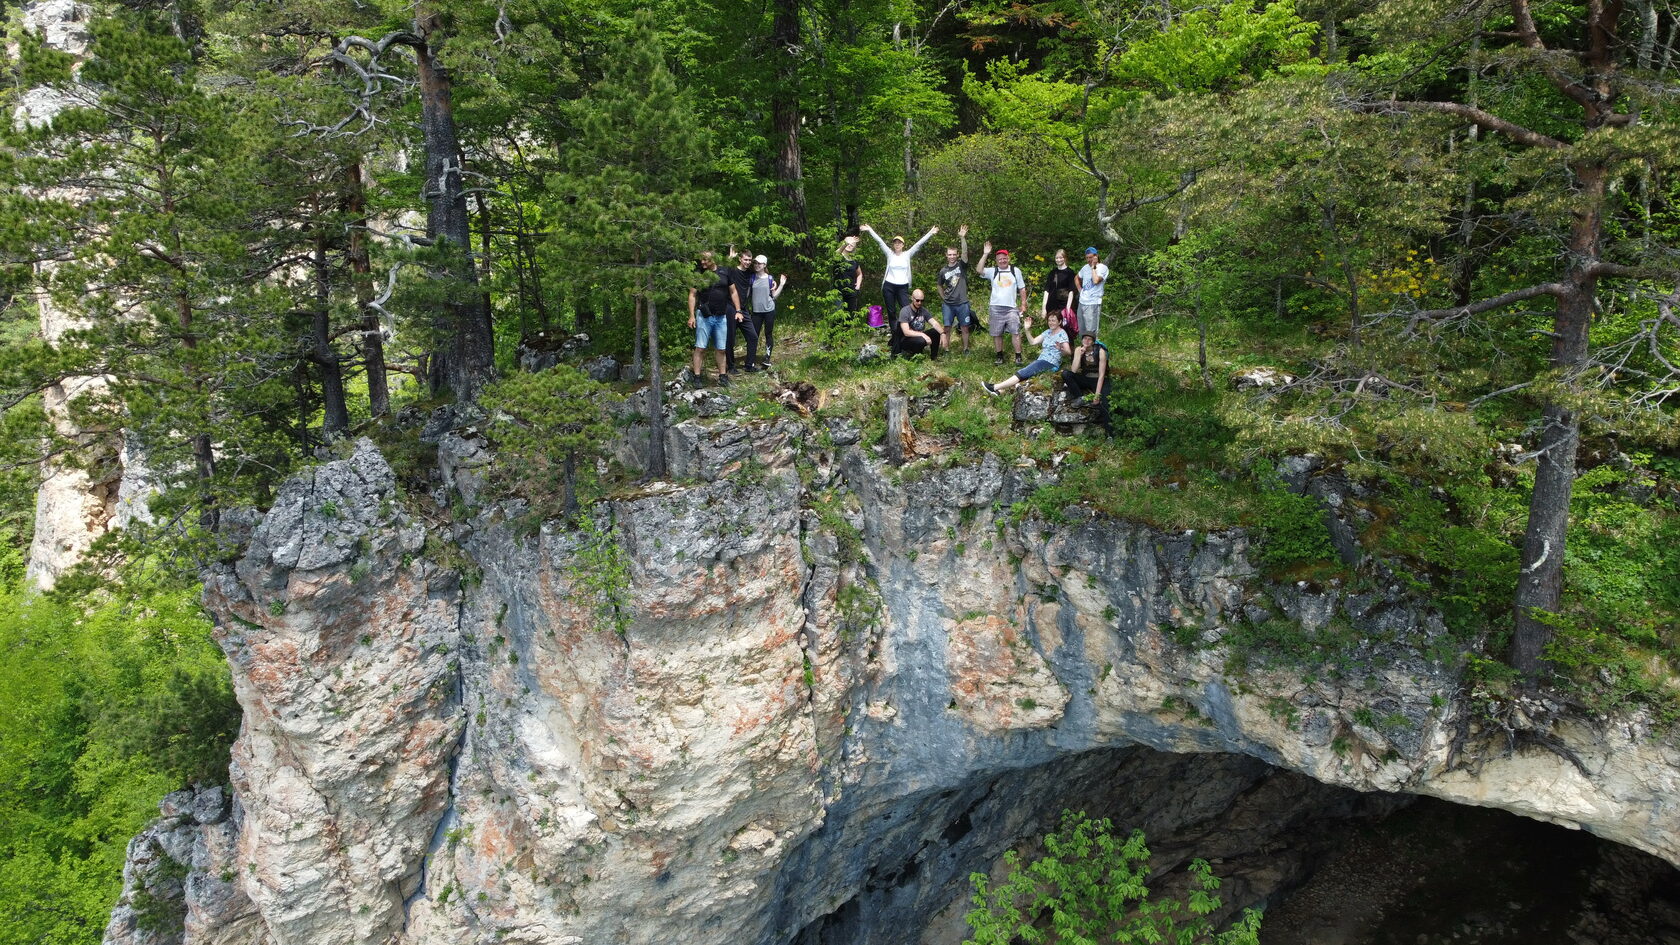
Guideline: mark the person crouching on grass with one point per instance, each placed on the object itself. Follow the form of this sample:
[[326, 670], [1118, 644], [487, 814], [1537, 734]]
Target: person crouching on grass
[[915, 331], [1053, 346]]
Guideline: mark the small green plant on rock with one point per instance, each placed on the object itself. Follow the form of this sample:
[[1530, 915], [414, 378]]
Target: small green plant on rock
[[600, 575]]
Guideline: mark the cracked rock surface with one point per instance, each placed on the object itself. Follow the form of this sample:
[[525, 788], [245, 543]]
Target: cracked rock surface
[[825, 693]]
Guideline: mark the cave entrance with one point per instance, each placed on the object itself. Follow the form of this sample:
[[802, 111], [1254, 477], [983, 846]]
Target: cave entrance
[[1435, 873], [1330, 866]]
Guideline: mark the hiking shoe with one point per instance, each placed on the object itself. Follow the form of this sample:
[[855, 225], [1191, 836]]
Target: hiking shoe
[[1018, 361], [989, 388], [997, 359], [723, 380], [752, 368]]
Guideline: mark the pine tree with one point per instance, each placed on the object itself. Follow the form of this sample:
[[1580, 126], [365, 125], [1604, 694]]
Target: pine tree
[[634, 198], [149, 194]]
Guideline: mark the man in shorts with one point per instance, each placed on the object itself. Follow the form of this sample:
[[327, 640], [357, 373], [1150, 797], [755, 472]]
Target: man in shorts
[[1093, 277], [954, 311], [709, 310], [1007, 302]]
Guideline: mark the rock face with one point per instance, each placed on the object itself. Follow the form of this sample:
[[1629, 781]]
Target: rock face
[[800, 697], [180, 881], [72, 506]]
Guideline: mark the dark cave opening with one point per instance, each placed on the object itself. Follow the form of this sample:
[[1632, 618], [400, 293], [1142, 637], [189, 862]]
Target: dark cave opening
[[1329, 866], [1434, 873]]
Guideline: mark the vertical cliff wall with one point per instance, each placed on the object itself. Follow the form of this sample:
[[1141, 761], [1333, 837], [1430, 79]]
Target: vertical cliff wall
[[796, 697]]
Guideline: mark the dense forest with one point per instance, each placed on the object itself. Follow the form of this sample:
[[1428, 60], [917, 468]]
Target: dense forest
[[269, 225]]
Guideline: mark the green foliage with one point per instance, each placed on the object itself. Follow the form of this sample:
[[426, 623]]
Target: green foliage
[[1295, 532], [103, 709], [548, 427], [600, 577], [1090, 886]]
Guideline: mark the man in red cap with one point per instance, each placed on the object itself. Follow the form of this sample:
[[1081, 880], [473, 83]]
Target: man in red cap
[[1009, 299]]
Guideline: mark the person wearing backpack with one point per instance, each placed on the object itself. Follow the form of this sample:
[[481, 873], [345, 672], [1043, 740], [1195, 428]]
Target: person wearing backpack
[[709, 307], [763, 291], [1008, 301]]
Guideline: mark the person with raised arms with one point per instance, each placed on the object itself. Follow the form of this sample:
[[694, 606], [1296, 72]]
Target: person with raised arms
[[895, 282], [954, 310], [1008, 301]]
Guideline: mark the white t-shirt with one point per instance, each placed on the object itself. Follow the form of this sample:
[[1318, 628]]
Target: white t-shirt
[[1006, 285], [1089, 293]]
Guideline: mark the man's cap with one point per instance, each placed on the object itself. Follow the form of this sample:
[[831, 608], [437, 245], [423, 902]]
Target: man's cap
[[1088, 334], [1090, 251], [760, 259], [1003, 252]]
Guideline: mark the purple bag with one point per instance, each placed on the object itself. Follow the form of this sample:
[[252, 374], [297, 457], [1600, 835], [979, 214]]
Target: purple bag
[[876, 319]]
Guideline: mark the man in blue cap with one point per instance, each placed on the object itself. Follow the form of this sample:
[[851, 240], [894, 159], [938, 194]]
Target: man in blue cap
[[1092, 278]]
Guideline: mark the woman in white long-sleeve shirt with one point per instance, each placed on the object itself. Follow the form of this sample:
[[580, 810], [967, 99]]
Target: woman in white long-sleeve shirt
[[895, 284]]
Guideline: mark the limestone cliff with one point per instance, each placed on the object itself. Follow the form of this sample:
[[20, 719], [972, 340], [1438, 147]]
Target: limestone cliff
[[821, 694], [73, 507]]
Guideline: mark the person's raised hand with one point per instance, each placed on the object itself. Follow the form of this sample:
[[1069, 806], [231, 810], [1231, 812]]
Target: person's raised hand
[[866, 228], [962, 230], [934, 230]]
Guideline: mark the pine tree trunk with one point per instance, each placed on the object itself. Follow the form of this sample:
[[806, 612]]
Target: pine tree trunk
[[361, 278], [784, 107], [464, 360], [636, 354], [656, 392], [335, 414], [1540, 581]]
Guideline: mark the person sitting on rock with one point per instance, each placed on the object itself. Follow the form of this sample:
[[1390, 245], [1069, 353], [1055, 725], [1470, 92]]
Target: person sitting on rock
[[915, 331], [1086, 377], [1053, 346]]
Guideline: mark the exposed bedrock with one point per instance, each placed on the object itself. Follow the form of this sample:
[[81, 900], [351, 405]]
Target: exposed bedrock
[[836, 693]]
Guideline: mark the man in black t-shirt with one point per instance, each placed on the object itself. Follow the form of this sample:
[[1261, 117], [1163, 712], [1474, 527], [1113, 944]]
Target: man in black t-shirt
[[914, 331], [740, 278], [709, 306]]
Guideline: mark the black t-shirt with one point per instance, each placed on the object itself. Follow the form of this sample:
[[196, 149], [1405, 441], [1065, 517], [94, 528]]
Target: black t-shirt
[[845, 274], [1061, 284], [741, 279], [713, 299]]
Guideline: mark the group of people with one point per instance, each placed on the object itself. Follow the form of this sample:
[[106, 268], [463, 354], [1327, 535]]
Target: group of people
[[1071, 302], [740, 300]]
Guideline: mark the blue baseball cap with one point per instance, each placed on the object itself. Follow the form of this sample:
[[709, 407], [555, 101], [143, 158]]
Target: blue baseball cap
[[1090, 251]]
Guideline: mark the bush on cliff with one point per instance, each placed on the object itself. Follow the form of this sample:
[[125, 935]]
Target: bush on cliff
[[1090, 886]]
